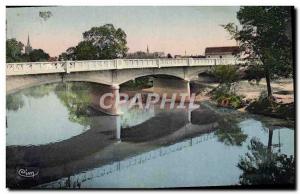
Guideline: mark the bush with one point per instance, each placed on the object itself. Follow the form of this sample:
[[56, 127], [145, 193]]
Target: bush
[[226, 98], [225, 73], [270, 107]]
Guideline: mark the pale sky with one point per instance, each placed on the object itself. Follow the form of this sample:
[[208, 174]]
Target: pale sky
[[168, 29]]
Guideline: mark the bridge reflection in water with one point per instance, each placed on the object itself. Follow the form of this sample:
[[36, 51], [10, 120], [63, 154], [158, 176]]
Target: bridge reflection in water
[[102, 144], [119, 151], [107, 139], [75, 181]]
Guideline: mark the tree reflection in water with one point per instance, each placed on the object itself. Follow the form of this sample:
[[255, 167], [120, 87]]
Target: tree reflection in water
[[75, 96], [39, 91], [14, 102], [229, 132], [261, 166]]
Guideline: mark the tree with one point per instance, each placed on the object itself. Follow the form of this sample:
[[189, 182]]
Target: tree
[[225, 74], [38, 55], [169, 55], [110, 42], [265, 36], [104, 42], [63, 57], [138, 55], [13, 50], [85, 50]]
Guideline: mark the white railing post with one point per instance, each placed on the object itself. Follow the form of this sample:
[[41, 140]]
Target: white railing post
[[190, 61], [67, 67], [157, 63], [116, 63], [119, 63]]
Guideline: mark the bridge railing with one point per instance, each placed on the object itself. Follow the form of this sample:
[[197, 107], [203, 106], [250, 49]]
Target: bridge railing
[[97, 65], [35, 68]]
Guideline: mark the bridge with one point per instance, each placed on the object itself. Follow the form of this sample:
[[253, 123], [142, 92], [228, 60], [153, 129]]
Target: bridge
[[108, 72], [113, 73]]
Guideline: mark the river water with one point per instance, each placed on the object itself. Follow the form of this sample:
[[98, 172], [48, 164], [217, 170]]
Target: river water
[[52, 131]]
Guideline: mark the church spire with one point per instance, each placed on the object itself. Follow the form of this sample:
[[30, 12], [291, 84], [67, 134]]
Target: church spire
[[28, 47], [147, 49], [28, 41]]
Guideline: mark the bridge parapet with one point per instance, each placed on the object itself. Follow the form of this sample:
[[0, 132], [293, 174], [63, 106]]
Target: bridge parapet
[[98, 65]]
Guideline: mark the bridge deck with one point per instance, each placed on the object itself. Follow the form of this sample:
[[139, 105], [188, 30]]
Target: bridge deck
[[26, 68]]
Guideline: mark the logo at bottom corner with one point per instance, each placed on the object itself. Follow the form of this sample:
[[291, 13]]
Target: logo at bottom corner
[[28, 172]]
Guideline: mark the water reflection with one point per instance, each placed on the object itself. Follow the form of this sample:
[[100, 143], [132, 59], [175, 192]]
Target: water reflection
[[230, 133], [261, 166], [55, 129]]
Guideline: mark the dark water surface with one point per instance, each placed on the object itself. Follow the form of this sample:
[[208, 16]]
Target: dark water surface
[[54, 131]]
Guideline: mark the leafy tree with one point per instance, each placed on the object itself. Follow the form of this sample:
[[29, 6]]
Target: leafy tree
[[265, 35], [169, 55], [70, 54], [109, 41], [85, 50], [38, 55], [63, 56], [104, 42], [13, 50], [138, 55], [225, 74], [144, 55]]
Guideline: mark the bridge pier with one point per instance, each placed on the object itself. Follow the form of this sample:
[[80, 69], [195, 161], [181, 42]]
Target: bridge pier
[[106, 99], [171, 87]]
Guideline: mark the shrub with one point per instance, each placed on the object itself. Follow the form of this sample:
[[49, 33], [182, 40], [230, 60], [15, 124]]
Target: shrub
[[226, 98], [270, 107], [225, 73]]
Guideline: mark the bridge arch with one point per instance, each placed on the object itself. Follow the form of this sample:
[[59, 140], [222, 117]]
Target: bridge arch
[[130, 75], [106, 77], [18, 83]]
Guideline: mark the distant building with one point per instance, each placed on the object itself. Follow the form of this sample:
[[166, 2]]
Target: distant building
[[158, 54], [221, 52], [189, 56], [28, 47]]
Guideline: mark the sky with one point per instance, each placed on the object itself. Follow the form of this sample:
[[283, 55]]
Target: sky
[[174, 30]]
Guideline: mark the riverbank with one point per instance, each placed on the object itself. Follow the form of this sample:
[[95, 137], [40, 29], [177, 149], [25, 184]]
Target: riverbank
[[252, 96], [282, 106]]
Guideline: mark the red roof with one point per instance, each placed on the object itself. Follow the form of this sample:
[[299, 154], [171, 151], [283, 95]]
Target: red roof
[[224, 49]]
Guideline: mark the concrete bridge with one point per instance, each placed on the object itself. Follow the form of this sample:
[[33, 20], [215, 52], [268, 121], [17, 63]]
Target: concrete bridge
[[113, 73], [108, 72]]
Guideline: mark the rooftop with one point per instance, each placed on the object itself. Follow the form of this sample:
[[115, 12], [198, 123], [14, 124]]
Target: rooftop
[[224, 49]]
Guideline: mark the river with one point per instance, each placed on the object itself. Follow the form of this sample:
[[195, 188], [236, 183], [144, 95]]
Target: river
[[52, 131]]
